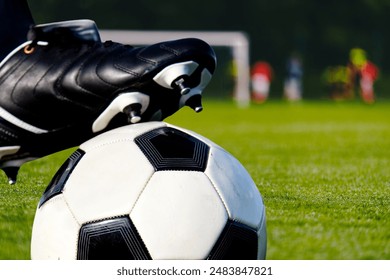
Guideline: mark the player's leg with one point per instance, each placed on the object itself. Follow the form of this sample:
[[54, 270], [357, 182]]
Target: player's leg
[[63, 86]]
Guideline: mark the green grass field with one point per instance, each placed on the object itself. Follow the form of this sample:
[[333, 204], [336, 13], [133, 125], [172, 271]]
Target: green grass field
[[323, 169]]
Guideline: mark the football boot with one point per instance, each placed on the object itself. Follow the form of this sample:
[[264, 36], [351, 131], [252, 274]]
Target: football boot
[[64, 86]]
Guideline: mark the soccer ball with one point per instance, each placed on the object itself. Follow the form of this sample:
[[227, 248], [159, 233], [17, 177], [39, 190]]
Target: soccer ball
[[150, 191]]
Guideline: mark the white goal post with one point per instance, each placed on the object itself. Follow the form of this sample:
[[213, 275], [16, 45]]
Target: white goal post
[[237, 41]]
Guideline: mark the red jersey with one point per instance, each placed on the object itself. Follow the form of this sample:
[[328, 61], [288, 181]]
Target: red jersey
[[262, 68], [369, 70]]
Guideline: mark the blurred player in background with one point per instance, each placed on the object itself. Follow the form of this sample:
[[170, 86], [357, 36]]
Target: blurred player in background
[[369, 74], [337, 80], [261, 77], [293, 81], [363, 74]]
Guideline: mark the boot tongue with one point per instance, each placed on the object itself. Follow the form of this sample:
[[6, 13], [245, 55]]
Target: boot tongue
[[73, 31]]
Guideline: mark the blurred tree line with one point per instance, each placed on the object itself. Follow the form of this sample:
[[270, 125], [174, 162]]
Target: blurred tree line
[[323, 32]]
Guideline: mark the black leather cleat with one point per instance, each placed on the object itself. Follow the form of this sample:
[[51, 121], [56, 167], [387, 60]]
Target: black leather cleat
[[64, 86]]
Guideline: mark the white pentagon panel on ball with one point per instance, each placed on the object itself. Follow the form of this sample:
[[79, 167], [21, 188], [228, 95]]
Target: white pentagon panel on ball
[[59, 240], [236, 187], [179, 215], [107, 180]]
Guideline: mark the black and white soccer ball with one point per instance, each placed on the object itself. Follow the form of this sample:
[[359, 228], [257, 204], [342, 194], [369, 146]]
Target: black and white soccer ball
[[150, 191]]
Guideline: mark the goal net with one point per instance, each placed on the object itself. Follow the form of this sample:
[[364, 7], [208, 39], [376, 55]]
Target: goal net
[[232, 49]]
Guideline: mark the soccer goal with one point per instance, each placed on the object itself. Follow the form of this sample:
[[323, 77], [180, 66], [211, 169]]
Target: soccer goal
[[238, 42]]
